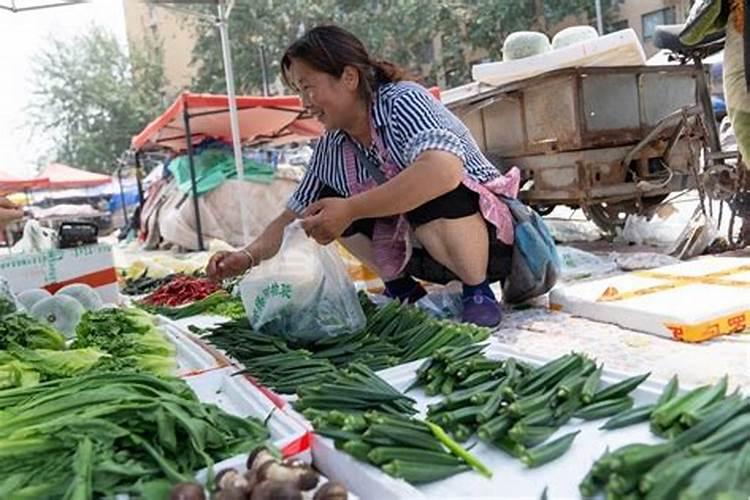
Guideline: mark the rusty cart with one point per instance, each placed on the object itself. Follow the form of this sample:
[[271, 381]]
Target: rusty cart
[[612, 141]]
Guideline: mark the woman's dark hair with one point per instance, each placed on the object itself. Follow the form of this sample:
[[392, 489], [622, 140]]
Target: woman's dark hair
[[330, 49]]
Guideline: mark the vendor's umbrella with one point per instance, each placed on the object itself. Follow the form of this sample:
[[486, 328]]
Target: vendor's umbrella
[[223, 11]]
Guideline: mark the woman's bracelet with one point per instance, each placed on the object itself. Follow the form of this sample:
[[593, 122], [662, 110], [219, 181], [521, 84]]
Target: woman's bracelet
[[249, 256]]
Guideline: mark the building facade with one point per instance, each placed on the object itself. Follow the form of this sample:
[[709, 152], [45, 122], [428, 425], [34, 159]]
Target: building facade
[[644, 15], [146, 22]]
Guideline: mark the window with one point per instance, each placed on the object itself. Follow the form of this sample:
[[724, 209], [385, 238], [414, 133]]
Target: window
[[650, 21]]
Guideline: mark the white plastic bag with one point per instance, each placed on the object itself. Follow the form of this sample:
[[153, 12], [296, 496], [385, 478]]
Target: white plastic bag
[[578, 265], [303, 294], [35, 238]]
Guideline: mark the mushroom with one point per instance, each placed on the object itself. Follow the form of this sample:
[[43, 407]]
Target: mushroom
[[303, 476], [331, 491], [294, 462], [252, 479], [258, 457], [231, 478], [276, 490], [231, 493], [187, 491]]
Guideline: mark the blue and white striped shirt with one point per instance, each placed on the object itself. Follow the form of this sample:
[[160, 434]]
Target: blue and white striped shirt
[[410, 121]]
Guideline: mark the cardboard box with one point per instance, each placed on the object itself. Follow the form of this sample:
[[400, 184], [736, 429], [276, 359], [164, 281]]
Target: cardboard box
[[53, 269]]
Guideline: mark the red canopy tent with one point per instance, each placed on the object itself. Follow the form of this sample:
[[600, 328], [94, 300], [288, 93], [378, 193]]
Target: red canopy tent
[[204, 116], [10, 183], [59, 176]]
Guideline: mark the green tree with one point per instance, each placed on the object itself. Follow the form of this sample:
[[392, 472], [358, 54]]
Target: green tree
[[402, 31], [91, 97]]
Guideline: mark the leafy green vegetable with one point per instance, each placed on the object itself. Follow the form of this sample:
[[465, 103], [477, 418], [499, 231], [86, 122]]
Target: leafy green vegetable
[[6, 307], [57, 363], [22, 329], [104, 434], [17, 374], [22, 367], [130, 337]]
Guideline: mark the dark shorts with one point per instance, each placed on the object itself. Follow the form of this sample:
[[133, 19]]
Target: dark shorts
[[461, 202]]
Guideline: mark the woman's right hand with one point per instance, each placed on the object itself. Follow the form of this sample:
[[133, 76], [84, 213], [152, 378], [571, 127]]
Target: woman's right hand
[[223, 265]]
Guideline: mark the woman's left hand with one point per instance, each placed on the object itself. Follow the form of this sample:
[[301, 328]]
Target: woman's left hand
[[327, 219]]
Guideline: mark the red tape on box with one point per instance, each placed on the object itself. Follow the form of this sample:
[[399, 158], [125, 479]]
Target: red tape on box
[[99, 278], [298, 445]]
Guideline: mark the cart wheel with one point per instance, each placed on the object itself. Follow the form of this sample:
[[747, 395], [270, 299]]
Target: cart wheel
[[544, 210], [609, 217]]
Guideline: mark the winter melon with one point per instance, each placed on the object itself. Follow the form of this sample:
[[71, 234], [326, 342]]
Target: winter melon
[[522, 44], [59, 311], [573, 35], [29, 298], [84, 294]]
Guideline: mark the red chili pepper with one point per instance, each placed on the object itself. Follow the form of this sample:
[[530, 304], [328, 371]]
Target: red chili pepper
[[181, 290]]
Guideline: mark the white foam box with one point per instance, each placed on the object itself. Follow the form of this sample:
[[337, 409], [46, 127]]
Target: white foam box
[[237, 396], [53, 269], [511, 479], [208, 321], [691, 301], [621, 48], [193, 355]]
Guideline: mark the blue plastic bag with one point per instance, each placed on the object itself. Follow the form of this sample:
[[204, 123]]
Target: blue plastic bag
[[535, 264]]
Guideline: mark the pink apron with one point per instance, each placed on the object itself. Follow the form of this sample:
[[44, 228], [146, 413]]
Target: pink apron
[[391, 237]]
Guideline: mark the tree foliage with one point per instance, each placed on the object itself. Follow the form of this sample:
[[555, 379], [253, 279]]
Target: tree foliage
[[402, 31], [91, 97]]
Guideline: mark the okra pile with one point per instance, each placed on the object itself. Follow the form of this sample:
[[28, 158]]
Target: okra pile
[[706, 453], [394, 334], [403, 447], [515, 407]]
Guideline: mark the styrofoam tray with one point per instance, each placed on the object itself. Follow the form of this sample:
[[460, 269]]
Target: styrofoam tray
[[511, 479], [692, 301], [221, 357], [621, 48], [193, 356], [237, 396]]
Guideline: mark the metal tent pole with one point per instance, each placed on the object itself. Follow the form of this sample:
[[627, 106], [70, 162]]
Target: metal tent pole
[[223, 23], [122, 196], [138, 175], [193, 186], [263, 69]]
